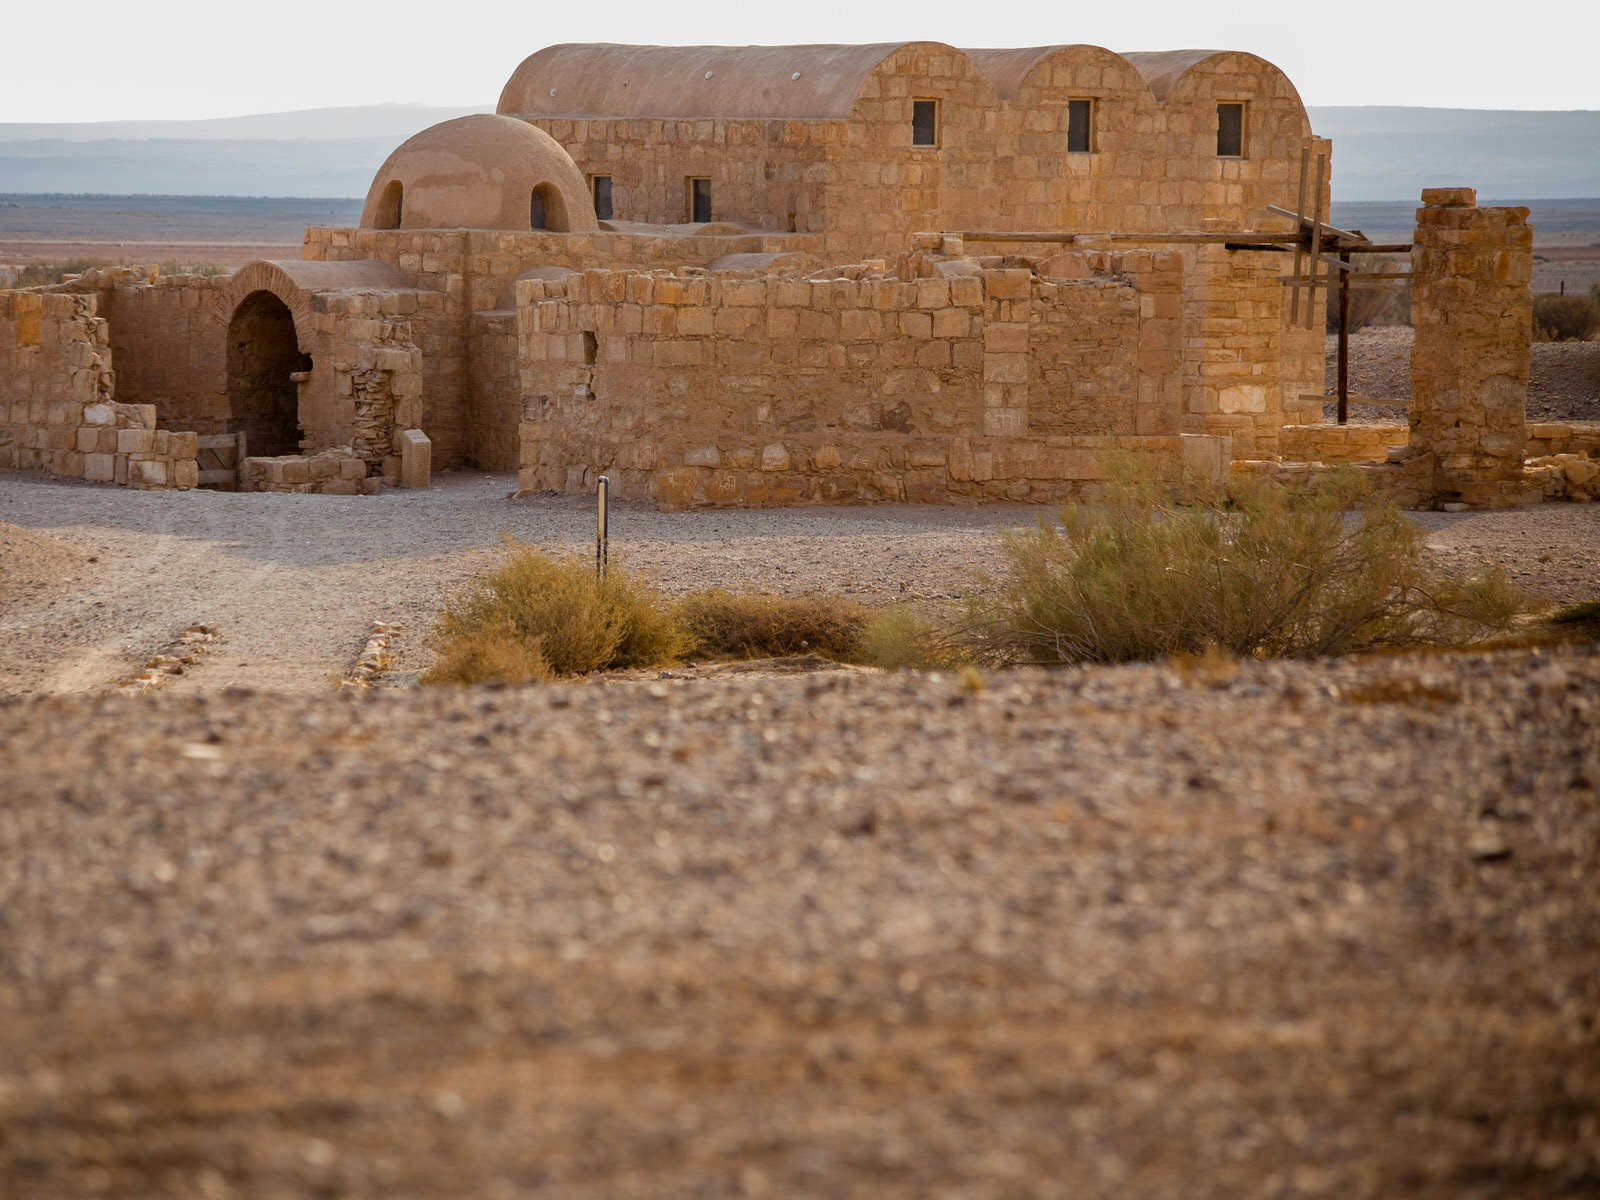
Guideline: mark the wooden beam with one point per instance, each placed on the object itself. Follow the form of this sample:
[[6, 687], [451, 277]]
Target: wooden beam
[[1267, 238]]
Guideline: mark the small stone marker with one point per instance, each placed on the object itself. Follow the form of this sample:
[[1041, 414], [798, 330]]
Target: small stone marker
[[416, 458]]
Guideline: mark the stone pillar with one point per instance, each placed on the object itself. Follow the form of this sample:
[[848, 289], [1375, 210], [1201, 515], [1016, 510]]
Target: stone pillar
[[1471, 309], [1233, 348]]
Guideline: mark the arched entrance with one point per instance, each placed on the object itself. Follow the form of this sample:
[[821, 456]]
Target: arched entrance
[[263, 356]]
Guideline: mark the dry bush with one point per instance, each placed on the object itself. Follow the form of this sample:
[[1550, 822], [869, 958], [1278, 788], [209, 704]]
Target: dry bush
[[1140, 576], [1559, 318], [44, 274], [901, 638], [536, 616], [725, 625]]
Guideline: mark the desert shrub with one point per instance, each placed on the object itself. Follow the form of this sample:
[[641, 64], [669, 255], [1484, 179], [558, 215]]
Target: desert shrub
[[43, 274], [727, 625], [902, 638], [1582, 618], [538, 615], [1141, 576], [1565, 318], [173, 266]]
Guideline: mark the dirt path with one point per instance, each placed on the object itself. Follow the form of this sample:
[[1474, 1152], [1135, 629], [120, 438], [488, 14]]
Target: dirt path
[[293, 583]]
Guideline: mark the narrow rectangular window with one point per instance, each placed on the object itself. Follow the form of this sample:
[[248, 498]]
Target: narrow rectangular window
[[602, 197], [699, 200], [924, 122], [1230, 130], [1080, 126]]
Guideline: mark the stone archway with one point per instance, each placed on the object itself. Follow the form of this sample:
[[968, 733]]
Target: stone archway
[[263, 359]]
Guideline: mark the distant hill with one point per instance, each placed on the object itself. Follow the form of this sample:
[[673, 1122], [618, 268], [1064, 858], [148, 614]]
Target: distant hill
[[1380, 153]]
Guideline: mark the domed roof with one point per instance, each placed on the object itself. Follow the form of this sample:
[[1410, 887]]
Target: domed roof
[[480, 172]]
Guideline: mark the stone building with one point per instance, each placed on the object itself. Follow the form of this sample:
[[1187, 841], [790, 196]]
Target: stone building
[[756, 275]]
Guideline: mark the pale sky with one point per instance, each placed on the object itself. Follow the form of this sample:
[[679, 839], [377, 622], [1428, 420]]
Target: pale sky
[[99, 60]]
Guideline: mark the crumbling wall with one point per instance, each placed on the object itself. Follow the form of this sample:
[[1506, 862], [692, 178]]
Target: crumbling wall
[[57, 412], [374, 343], [1471, 307], [983, 384]]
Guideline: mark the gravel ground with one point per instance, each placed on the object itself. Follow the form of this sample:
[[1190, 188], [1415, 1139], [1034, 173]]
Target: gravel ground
[[1187, 930], [1268, 930], [293, 583], [1563, 377]]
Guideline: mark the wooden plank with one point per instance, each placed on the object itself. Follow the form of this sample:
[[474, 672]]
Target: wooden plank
[[219, 477], [1299, 209]]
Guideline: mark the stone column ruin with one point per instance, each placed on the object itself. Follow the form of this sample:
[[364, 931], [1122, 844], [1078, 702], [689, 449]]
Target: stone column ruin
[[1472, 312]]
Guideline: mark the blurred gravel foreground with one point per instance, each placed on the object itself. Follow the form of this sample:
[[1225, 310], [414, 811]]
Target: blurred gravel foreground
[[1268, 930]]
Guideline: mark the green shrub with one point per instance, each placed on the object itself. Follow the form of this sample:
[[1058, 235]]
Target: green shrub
[[1140, 576], [1565, 318], [722, 624], [537, 616]]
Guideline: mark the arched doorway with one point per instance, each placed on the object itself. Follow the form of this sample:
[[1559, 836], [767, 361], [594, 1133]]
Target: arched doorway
[[263, 356]]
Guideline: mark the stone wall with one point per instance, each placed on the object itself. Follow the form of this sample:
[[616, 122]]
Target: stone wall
[[977, 384], [1471, 307], [168, 334], [1001, 159], [57, 414], [494, 404], [1326, 443]]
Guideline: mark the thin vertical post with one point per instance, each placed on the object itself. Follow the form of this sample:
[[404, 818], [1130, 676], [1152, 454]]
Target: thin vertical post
[[602, 529], [1344, 338]]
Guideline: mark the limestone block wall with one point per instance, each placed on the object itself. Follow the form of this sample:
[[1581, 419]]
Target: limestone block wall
[[1233, 373], [372, 381], [1563, 437], [494, 408], [1001, 160], [168, 334], [57, 414], [703, 390], [764, 173], [1340, 443], [1471, 308]]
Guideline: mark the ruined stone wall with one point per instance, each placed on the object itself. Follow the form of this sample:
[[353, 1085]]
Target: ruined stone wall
[[704, 390], [372, 382], [1326, 443], [169, 338], [57, 412], [1471, 307], [494, 409]]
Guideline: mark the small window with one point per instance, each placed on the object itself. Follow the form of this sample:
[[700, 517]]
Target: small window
[[1080, 126], [537, 217], [391, 206], [924, 122], [1230, 130], [699, 200], [602, 197]]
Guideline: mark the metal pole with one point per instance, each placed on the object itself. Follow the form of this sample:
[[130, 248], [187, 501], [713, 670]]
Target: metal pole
[[1344, 340], [602, 530]]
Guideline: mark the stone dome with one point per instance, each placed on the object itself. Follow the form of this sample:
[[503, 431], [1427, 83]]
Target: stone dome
[[480, 172]]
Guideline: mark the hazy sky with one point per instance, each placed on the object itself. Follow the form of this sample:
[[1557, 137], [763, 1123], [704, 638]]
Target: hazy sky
[[97, 60]]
